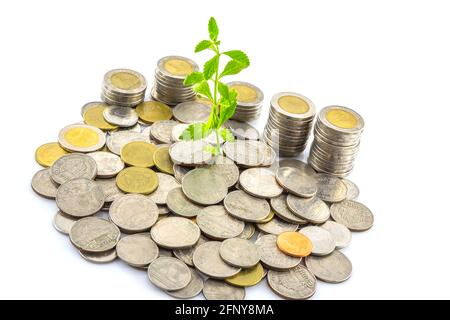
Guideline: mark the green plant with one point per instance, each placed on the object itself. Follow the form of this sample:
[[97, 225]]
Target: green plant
[[222, 98]]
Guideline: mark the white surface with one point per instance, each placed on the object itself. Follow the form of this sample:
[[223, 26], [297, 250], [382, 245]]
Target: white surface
[[389, 60]]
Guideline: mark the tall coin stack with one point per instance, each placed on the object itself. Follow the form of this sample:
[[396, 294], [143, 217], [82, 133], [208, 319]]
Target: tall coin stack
[[289, 124], [123, 87], [337, 135], [249, 101], [169, 77]]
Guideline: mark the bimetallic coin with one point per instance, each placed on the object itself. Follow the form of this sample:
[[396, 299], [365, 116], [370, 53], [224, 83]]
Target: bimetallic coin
[[81, 138], [191, 112], [110, 189], [116, 140], [80, 197], [162, 131], [340, 233], [179, 204], [246, 153], [190, 153], [138, 154], [92, 113], [279, 205], [108, 164], [260, 182], [352, 189], [192, 290], [162, 160], [296, 182], [137, 250], [186, 255], [330, 188], [247, 277], [352, 214], [276, 226], [63, 222], [298, 283], [94, 235], [226, 168], [239, 253], [99, 257], [272, 257], [334, 268], [246, 207], [311, 209], [204, 187], [73, 166], [48, 153], [294, 244], [153, 111], [169, 273], [120, 116], [43, 184], [137, 180], [166, 184], [208, 261], [219, 290], [216, 223], [322, 241], [175, 233]]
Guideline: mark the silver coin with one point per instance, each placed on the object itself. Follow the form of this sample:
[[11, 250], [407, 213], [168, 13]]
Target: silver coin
[[260, 182], [166, 184], [246, 207], [279, 205], [216, 223], [322, 241], [137, 250], [246, 153], [163, 210], [311, 209], [225, 168], [190, 153], [334, 268], [162, 130], [43, 184], [191, 112], [276, 226], [352, 189], [220, 290], [178, 130], [239, 253], [269, 157], [180, 172], [242, 130], [192, 290], [116, 140], [110, 189], [73, 166], [67, 145], [134, 213], [297, 164], [186, 255], [169, 273], [80, 197], [99, 257], [108, 164], [330, 188], [272, 257], [175, 233], [204, 186], [352, 214], [94, 235], [121, 116], [208, 261], [340, 233], [296, 182], [248, 232], [146, 130], [63, 222], [136, 128], [179, 204], [298, 283]]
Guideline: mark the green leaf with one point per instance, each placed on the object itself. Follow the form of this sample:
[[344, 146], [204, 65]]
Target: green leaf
[[203, 89], [193, 78], [195, 131], [228, 107], [213, 29], [226, 135], [203, 45], [239, 56], [211, 149], [232, 67], [211, 67], [223, 90]]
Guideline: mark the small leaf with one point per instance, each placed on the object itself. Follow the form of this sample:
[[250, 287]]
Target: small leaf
[[232, 67], [226, 135], [223, 90], [203, 89], [213, 29], [195, 131], [193, 78], [203, 45], [211, 149], [210, 67], [228, 107], [239, 56]]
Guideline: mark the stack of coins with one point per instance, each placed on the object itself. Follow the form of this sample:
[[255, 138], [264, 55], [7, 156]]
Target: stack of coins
[[169, 77], [289, 124], [336, 140], [249, 101], [123, 87]]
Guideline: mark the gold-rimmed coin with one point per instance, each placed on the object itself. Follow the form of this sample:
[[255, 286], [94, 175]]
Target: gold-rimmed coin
[[247, 277], [137, 180], [153, 111], [81, 138], [48, 153], [162, 160], [138, 154], [294, 244], [93, 116]]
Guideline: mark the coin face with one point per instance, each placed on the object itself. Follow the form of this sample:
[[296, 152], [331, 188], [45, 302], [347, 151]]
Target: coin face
[[120, 116], [186, 255], [43, 184], [162, 160], [137, 250], [80, 197], [137, 180], [240, 253], [179, 204], [93, 115], [108, 164], [73, 166], [204, 187], [166, 184], [153, 111], [352, 214], [297, 283], [340, 233], [322, 241], [138, 154], [272, 257], [225, 168], [294, 244], [191, 112], [190, 153], [247, 277], [279, 205], [352, 189], [134, 213], [192, 290], [81, 138], [246, 207], [330, 188], [125, 81], [260, 182], [110, 189], [246, 153], [48, 153], [99, 257], [169, 273], [296, 182], [216, 223], [116, 140], [162, 131], [341, 118], [311, 209], [334, 268], [219, 290], [186, 235], [276, 226], [63, 222], [297, 164], [208, 261], [94, 235]]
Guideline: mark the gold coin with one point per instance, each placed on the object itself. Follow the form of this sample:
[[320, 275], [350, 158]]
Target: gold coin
[[138, 154], [342, 119], [247, 277], [94, 117], [153, 111], [137, 180], [81, 137], [245, 93], [293, 104], [269, 217], [125, 80], [48, 153], [162, 160], [294, 244], [178, 67]]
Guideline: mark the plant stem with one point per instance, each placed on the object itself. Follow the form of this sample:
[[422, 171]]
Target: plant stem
[[218, 141], [216, 104]]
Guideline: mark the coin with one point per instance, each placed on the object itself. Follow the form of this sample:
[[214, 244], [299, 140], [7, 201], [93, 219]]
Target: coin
[[249, 100], [272, 257], [298, 283], [219, 290], [43, 184], [163, 210], [137, 180], [123, 87], [216, 223], [330, 188], [190, 153], [208, 261], [80, 197], [352, 214], [247, 277], [116, 140], [334, 268], [110, 189], [246, 153], [162, 131], [279, 205], [242, 130], [120, 116], [137, 250], [191, 112], [225, 168], [276, 226], [186, 255], [246, 207], [296, 182], [311, 209], [166, 184], [162, 160], [322, 241], [340, 233], [269, 157], [352, 189], [63, 222], [99, 257], [94, 235], [134, 213], [297, 164], [180, 171], [294, 244], [240, 253], [186, 235], [108, 164], [179, 204], [260, 182], [249, 231], [81, 138], [48, 153], [153, 111], [92, 113], [192, 290], [138, 154], [73, 166], [169, 273], [269, 217], [204, 187]]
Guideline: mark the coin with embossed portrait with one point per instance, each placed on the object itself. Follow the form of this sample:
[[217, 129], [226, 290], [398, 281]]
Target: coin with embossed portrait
[[73, 166], [298, 283], [94, 235], [192, 290], [340, 233], [272, 257], [204, 186], [108, 164], [311, 209], [216, 223], [296, 182], [333, 268], [43, 184], [330, 188], [352, 214]]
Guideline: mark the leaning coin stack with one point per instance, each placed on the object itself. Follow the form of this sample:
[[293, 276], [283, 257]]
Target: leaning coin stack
[[169, 77], [123, 87], [249, 101], [337, 135], [289, 124]]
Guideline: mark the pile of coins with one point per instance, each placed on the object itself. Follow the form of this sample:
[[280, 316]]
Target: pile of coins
[[123, 87], [289, 125], [337, 134], [249, 101], [169, 77]]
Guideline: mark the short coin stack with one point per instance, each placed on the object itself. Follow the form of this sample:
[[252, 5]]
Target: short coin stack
[[123, 87], [289, 124], [337, 135], [249, 101]]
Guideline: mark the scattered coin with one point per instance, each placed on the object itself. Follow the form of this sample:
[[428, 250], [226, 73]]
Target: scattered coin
[[136, 128], [330, 188], [246, 153], [208, 261], [226, 168], [180, 171], [322, 241], [191, 112], [120, 116], [92, 113], [116, 140], [48, 153], [246, 207], [137, 180], [110, 189], [219, 290], [276, 226], [297, 164], [311, 209], [192, 290], [179, 204], [240, 253], [298, 283], [80, 197], [81, 138], [94, 235], [138, 154], [242, 130], [186, 235], [249, 231], [296, 182], [279, 205], [108, 164], [63, 222], [43, 184], [269, 157], [137, 250], [340, 233], [352, 189], [204, 186], [153, 111], [73, 166], [272, 257], [216, 223], [99, 257], [260, 182], [166, 184], [333, 268], [186, 255], [352, 214], [161, 131], [247, 277], [169, 273], [162, 160], [294, 244], [190, 153]]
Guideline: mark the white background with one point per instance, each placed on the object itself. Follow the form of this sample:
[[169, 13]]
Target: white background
[[388, 60]]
